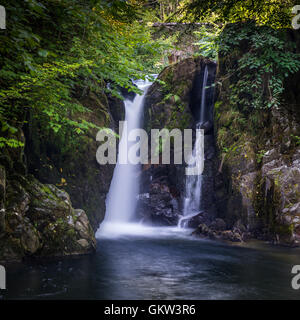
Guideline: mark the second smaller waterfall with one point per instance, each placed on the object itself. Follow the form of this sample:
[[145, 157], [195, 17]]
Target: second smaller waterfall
[[193, 183], [193, 186]]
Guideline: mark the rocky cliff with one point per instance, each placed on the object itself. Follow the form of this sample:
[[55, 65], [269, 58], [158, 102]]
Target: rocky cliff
[[257, 177]]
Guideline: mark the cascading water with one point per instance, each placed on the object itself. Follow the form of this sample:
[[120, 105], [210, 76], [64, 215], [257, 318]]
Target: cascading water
[[121, 199], [193, 183]]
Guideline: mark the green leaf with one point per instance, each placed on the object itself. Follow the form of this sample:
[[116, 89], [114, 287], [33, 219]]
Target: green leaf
[[43, 53]]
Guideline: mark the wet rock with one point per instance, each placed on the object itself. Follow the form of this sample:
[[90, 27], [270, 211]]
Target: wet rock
[[218, 225], [207, 126], [202, 230], [30, 238], [117, 110], [160, 204], [84, 244], [231, 236], [210, 232], [270, 155], [202, 217], [240, 227], [175, 105], [2, 185], [41, 222], [295, 209]]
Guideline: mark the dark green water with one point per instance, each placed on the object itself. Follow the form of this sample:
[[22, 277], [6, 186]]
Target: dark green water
[[163, 264]]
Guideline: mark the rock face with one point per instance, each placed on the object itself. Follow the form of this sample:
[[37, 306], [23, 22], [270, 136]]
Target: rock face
[[158, 202], [38, 220], [172, 102], [69, 161], [257, 175]]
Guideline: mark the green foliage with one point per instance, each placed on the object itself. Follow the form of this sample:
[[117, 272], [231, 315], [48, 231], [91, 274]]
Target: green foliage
[[259, 156], [159, 10], [296, 139], [149, 50], [266, 59], [275, 13], [12, 143], [208, 44], [54, 49]]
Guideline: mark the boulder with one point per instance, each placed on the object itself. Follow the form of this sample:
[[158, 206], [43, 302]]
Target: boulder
[[210, 232], [159, 206], [41, 222]]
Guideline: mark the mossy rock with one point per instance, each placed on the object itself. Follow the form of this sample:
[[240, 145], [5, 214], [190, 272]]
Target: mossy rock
[[40, 221]]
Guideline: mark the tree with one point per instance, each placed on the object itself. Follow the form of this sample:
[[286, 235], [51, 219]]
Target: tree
[[51, 47], [276, 13]]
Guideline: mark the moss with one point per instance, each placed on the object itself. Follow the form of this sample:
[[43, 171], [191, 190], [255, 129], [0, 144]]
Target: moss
[[218, 105], [178, 118], [267, 203], [181, 88], [74, 216], [231, 119], [168, 76], [259, 156], [283, 230], [222, 138], [45, 188], [71, 233]]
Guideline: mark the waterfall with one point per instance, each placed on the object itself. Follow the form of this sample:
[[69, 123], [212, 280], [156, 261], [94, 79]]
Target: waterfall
[[122, 196], [193, 183]]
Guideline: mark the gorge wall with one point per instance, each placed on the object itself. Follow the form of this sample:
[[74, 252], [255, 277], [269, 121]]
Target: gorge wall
[[258, 177]]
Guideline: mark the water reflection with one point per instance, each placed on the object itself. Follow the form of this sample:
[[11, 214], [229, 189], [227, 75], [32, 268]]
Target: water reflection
[[165, 266]]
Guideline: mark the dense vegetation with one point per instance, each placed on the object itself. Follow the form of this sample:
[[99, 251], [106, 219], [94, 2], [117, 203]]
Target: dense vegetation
[[268, 57], [52, 49]]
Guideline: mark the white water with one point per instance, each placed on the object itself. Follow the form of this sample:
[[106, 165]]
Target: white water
[[130, 230], [193, 183], [122, 197]]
